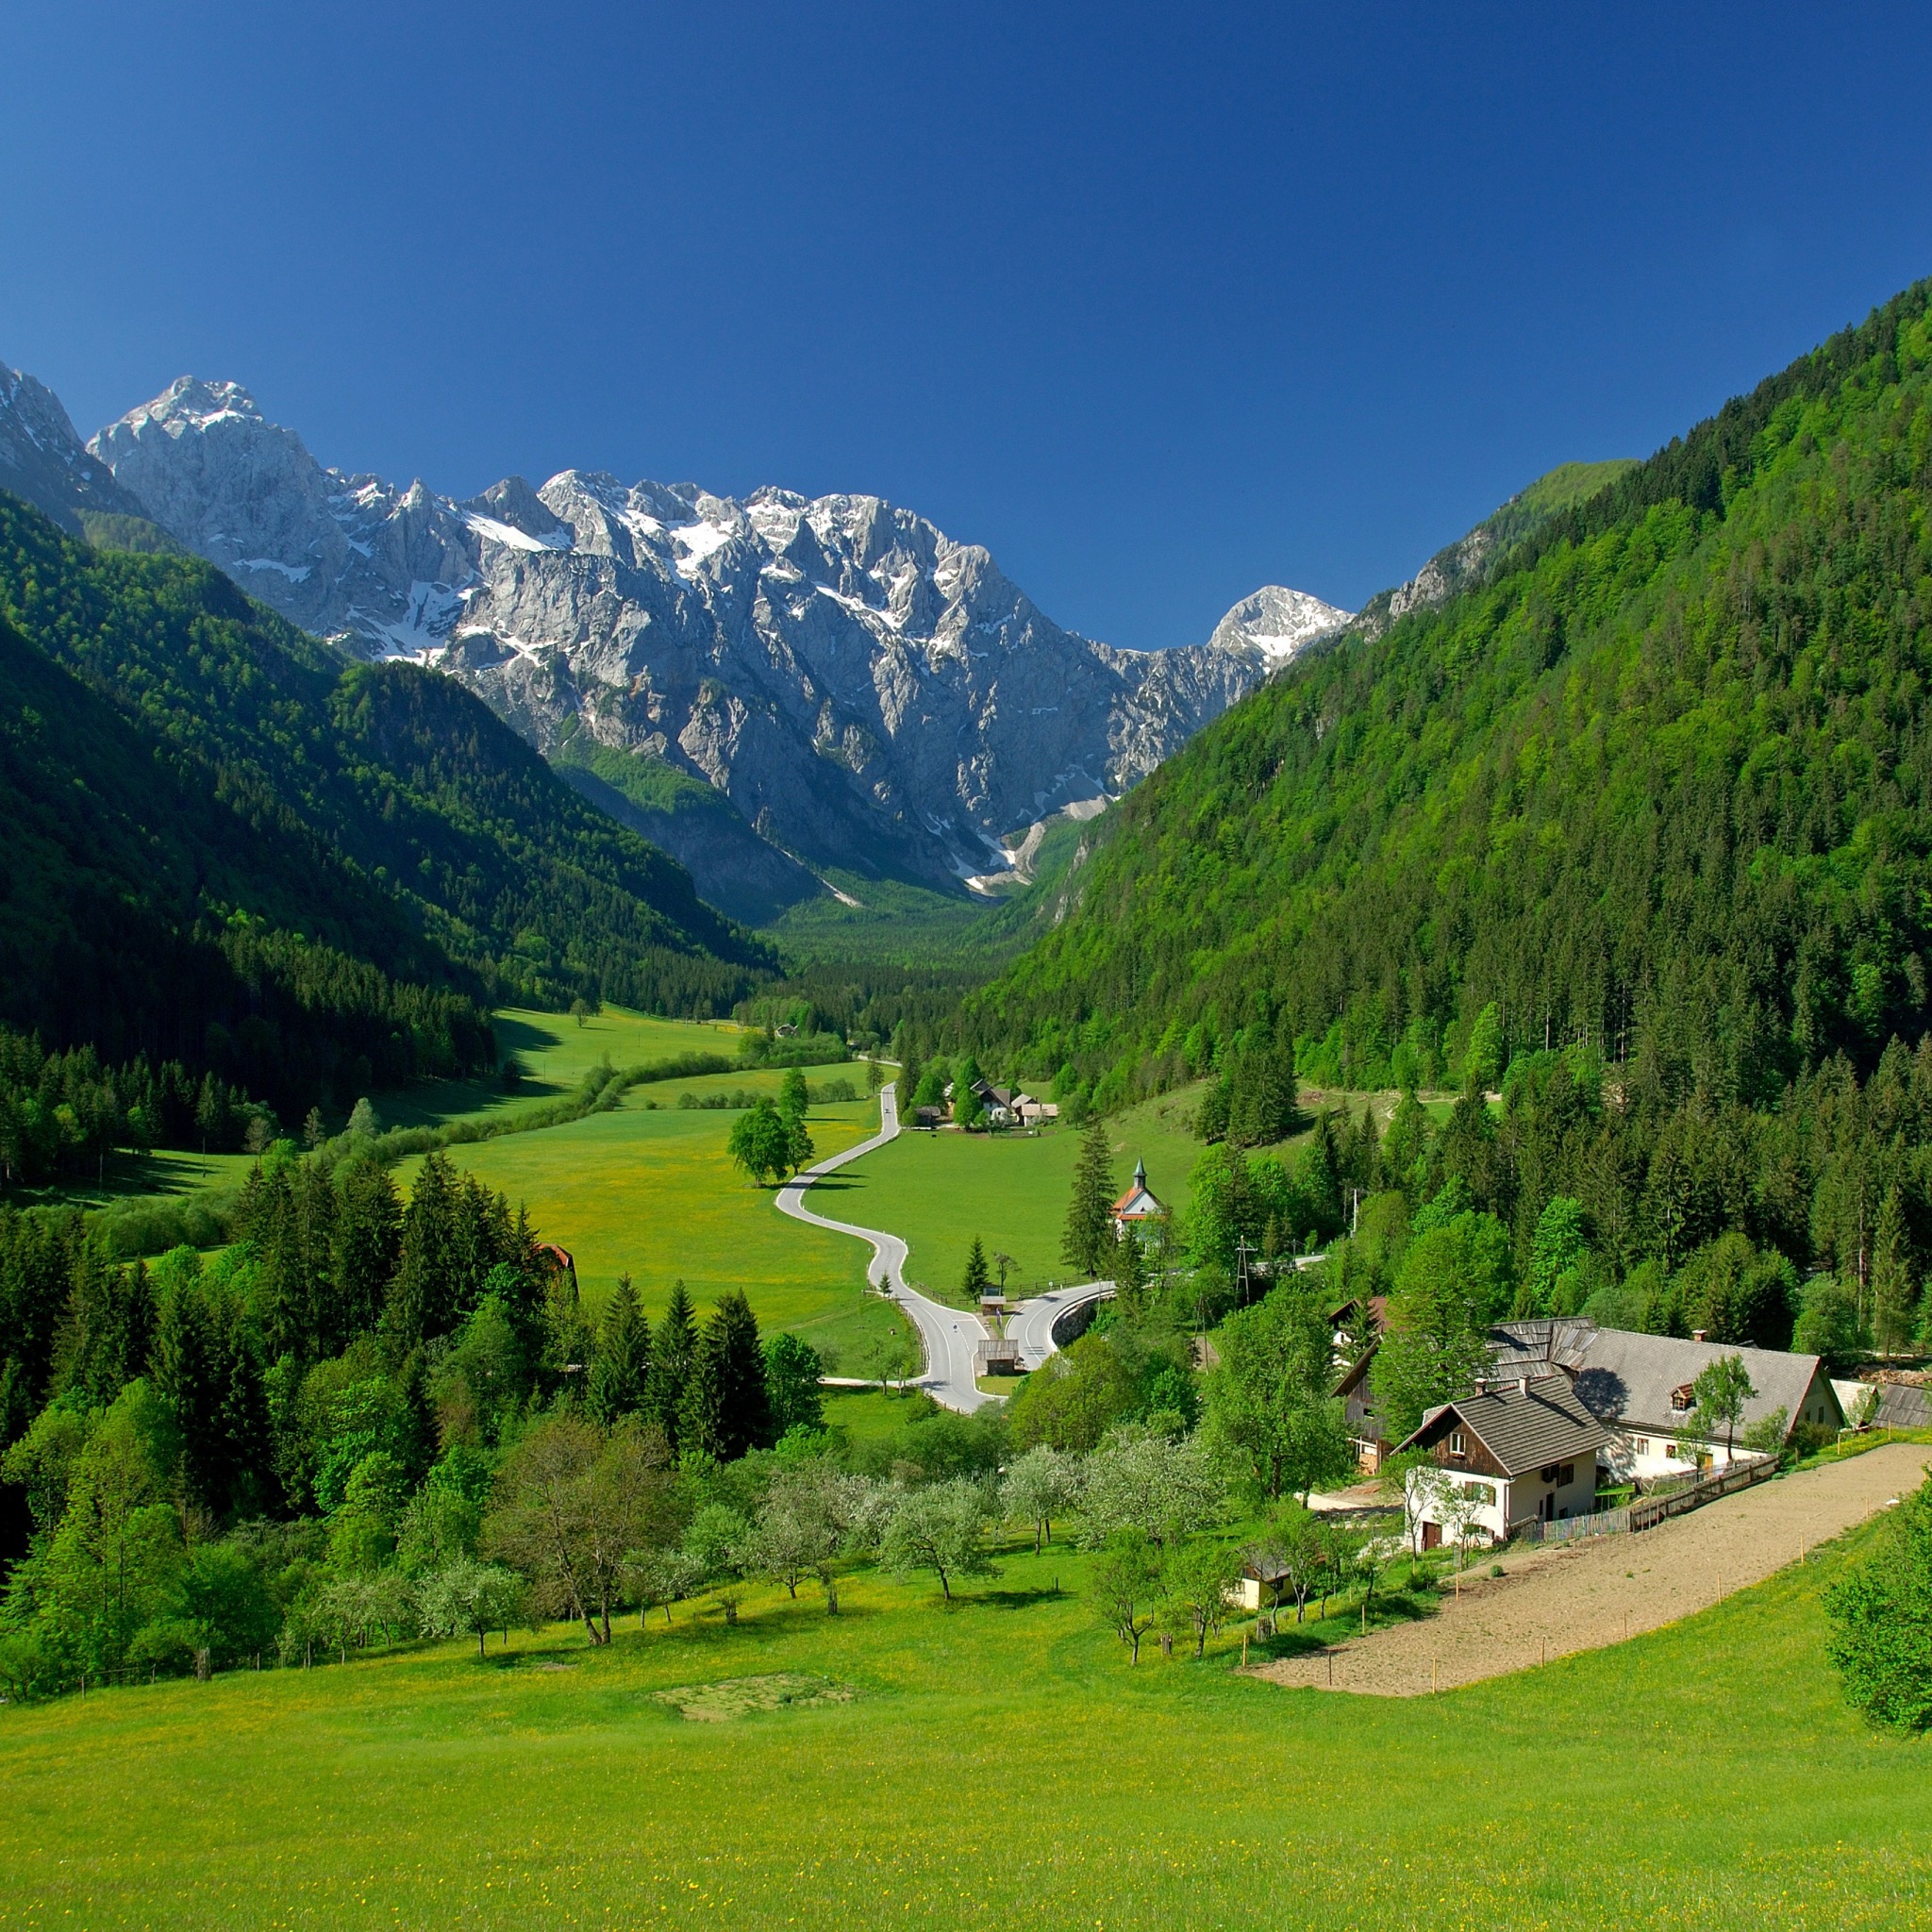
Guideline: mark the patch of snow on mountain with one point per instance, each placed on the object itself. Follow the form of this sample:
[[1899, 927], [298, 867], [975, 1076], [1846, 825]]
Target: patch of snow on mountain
[[510, 535], [698, 540]]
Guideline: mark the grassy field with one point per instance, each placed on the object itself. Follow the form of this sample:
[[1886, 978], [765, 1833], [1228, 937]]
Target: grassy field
[[553, 1050], [555, 1053], [649, 1190], [996, 1764], [937, 1190]]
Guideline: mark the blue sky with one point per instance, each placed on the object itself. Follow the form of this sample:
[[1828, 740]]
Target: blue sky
[[1157, 304]]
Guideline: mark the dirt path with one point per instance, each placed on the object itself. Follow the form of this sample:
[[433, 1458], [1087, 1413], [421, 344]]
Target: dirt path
[[1583, 1596]]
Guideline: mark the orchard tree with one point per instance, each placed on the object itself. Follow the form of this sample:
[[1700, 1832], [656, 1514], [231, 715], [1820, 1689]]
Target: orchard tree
[[1043, 1484], [1126, 1586], [1196, 1583], [1721, 1391], [468, 1596], [940, 1527]]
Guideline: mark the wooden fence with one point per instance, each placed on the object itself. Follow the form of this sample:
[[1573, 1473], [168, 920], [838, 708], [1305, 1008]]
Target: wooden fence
[[1646, 1512]]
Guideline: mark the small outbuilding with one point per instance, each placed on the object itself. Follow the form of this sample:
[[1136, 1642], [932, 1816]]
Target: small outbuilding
[[1521, 1452]]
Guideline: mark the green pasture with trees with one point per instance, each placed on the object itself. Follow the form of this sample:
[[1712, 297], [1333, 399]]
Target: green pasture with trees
[[557, 1780], [650, 1190]]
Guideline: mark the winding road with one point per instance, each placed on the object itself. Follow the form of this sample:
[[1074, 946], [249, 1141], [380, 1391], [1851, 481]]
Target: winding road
[[951, 1336]]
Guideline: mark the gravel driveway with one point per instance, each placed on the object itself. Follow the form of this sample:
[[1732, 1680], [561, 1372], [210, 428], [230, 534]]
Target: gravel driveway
[[1586, 1594]]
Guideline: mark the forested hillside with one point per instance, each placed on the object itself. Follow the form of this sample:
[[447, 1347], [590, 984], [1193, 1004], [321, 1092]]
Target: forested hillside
[[1637, 830], [1661, 782], [230, 852]]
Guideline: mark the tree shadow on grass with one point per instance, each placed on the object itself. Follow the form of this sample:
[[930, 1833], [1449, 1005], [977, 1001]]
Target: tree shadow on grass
[[553, 1657], [1014, 1599], [1319, 1633]]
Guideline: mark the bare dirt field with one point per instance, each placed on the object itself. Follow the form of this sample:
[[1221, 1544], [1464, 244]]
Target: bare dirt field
[[1583, 1596]]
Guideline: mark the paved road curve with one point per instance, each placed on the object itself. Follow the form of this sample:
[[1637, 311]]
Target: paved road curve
[[950, 1336]]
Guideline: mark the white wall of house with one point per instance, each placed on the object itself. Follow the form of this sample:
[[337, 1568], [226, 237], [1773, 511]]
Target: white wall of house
[[1489, 1494], [1648, 1454], [1563, 1495], [1502, 1500]]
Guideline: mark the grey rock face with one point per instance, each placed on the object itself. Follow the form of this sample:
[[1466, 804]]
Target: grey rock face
[[42, 457], [866, 693], [338, 554]]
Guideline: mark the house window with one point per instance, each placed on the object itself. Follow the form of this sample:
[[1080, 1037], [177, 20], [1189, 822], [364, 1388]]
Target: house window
[[1458, 1444], [1643, 1445], [1666, 1451]]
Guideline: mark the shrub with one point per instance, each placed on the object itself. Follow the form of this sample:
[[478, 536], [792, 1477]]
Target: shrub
[[1881, 1617]]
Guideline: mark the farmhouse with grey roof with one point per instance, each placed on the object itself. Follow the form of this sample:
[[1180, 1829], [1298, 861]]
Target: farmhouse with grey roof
[[1639, 1387], [1518, 1453]]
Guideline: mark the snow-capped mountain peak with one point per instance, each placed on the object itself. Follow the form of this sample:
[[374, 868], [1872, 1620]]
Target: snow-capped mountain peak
[[1279, 623], [869, 695]]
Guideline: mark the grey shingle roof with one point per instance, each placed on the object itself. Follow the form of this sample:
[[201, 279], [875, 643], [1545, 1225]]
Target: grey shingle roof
[[1556, 1341], [1627, 1380], [1902, 1406], [1521, 1429]]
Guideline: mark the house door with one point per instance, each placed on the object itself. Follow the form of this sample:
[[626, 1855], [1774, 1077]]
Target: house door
[[1432, 1536], [1547, 1508]]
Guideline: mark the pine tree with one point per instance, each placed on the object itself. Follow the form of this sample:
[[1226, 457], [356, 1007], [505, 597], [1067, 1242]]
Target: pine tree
[[978, 1280], [671, 1364], [1895, 1293], [727, 1405], [622, 1371], [368, 1244], [420, 1297], [110, 1325], [1088, 1243]]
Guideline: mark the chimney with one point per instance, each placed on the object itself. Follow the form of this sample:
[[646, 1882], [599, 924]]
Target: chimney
[[1523, 1385], [1699, 1334]]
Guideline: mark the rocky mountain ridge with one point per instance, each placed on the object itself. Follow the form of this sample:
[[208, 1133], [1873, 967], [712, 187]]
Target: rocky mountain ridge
[[858, 692]]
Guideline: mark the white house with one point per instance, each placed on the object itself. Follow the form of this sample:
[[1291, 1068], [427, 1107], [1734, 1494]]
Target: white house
[[1639, 1387], [1521, 1452]]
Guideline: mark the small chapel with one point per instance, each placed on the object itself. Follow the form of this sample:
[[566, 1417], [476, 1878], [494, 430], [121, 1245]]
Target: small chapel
[[1138, 1203]]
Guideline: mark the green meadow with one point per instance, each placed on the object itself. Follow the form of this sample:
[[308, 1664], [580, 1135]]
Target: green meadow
[[937, 1192], [553, 1053], [999, 1763], [649, 1190]]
